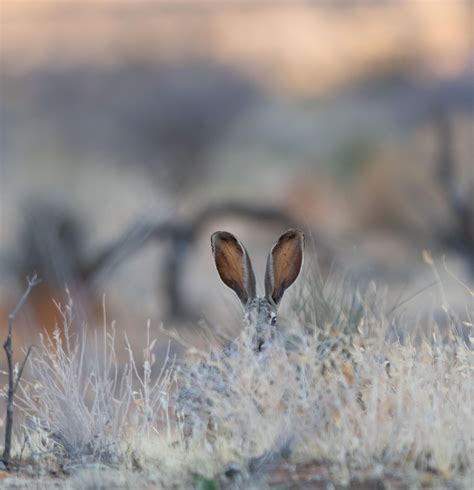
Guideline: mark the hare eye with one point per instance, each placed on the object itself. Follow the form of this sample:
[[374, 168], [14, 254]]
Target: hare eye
[[273, 320]]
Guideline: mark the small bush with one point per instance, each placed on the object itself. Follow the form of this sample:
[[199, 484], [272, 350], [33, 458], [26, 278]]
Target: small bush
[[81, 405]]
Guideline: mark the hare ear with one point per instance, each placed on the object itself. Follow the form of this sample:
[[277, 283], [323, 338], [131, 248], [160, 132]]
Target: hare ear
[[284, 264], [233, 264]]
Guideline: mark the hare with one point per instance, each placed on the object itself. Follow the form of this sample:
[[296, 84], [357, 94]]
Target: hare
[[209, 380], [235, 269], [284, 264]]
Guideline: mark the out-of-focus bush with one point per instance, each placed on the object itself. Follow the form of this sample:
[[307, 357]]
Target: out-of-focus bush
[[166, 118]]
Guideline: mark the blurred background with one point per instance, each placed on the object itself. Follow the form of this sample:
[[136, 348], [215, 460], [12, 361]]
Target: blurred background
[[132, 130]]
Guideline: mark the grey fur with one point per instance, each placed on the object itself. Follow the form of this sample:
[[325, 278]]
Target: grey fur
[[260, 312]]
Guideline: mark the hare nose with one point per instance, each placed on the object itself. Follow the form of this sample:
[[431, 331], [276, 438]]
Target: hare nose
[[260, 345]]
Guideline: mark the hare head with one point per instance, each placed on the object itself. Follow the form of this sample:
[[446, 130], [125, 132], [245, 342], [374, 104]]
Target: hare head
[[235, 269]]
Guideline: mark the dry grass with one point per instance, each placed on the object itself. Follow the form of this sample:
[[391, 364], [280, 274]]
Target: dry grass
[[81, 406], [348, 393]]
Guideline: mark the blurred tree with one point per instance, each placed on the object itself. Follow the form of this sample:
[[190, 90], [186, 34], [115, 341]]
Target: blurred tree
[[459, 196], [166, 118], [52, 245]]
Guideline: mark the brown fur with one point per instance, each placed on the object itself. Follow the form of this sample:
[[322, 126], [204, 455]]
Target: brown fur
[[233, 265], [284, 264]]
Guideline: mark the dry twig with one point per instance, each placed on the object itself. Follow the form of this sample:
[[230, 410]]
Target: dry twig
[[12, 381]]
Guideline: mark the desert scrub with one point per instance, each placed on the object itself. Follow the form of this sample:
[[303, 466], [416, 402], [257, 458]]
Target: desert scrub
[[341, 390], [80, 406], [342, 386]]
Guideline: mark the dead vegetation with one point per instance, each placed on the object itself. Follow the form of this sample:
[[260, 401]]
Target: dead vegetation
[[353, 394], [14, 375]]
